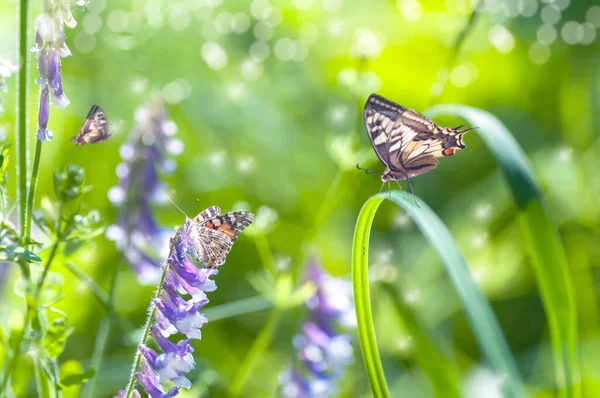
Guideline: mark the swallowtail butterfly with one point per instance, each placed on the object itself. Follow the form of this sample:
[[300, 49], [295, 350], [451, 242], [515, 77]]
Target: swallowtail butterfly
[[406, 142]]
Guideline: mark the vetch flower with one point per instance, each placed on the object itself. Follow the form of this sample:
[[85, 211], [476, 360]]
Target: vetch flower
[[43, 134], [145, 160], [50, 46], [173, 313], [323, 352]]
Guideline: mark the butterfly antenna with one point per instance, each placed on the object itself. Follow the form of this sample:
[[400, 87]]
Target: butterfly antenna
[[178, 208], [457, 129], [367, 170], [413, 192]]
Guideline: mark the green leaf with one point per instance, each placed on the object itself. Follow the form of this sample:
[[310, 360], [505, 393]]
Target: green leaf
[[4, 158], [237, 308], [56, 336], [478, 310], [541, 239], [24, 254], [78, 378], [442, 375]]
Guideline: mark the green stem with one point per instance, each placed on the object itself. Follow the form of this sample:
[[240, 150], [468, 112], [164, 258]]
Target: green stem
[[265, 253], [103, 334], [138, 356], [256, 351], [32, 187], [328, 203], [22, 138], [442, 78], [13, 360], [24, 266], [40, 284], [58, 241]]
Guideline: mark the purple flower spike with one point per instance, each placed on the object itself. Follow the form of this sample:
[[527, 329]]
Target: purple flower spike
[[50, 45], [140, 188], [173, 312], [151, 384], [323, 352]]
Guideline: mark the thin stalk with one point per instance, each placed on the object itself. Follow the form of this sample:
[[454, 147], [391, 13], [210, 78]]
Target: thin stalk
[[40, 284], [265, 253], [59, 240], [151, 312], [328, 203], [12, 363], [256, 351], [22, 136], [41, 379], [442, 78], [103, 334], [32, 187]]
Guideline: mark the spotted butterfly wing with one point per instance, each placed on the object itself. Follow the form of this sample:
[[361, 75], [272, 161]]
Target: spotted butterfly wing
[[212, 234], [94, 128], [405, 141]]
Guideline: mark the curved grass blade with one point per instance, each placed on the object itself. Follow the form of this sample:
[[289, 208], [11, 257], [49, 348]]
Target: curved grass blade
[[442, 374], [481, 317], [541, 239]]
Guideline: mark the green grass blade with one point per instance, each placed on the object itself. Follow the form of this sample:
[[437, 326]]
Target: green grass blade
[[481, 317], [440, 371], [541, 239]]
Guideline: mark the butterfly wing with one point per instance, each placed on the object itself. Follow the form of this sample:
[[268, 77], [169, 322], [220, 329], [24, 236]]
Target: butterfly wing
[[380, 117], [94, 128], [231, 224], [419, 156], [210, 247], [208, 214]]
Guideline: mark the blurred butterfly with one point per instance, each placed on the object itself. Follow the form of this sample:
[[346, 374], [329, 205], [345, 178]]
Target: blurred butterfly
[[212, 234], [94, 129], [406, 142]]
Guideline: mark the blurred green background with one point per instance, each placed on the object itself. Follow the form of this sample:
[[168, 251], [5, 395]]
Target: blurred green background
[[268, 96]]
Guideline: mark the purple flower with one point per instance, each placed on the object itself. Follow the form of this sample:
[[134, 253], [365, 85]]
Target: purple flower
[[54, 80], [43, 134], [144, 155], [50, 46], [151, 384], [182, 295], [323, 352]]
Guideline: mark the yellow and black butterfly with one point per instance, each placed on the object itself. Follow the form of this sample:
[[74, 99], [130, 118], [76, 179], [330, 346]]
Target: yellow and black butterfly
[[406, 142], [94, 128]]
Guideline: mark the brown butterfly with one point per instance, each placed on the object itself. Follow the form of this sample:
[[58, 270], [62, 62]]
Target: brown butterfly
[[212, 234], [94, 129], [406, 142]]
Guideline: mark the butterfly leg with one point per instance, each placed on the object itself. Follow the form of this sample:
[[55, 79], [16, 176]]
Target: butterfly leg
[[412, 191], [399, 186], [381, 189]]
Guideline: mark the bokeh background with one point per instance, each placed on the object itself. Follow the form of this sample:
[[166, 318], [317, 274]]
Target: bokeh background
[[267, 98]]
